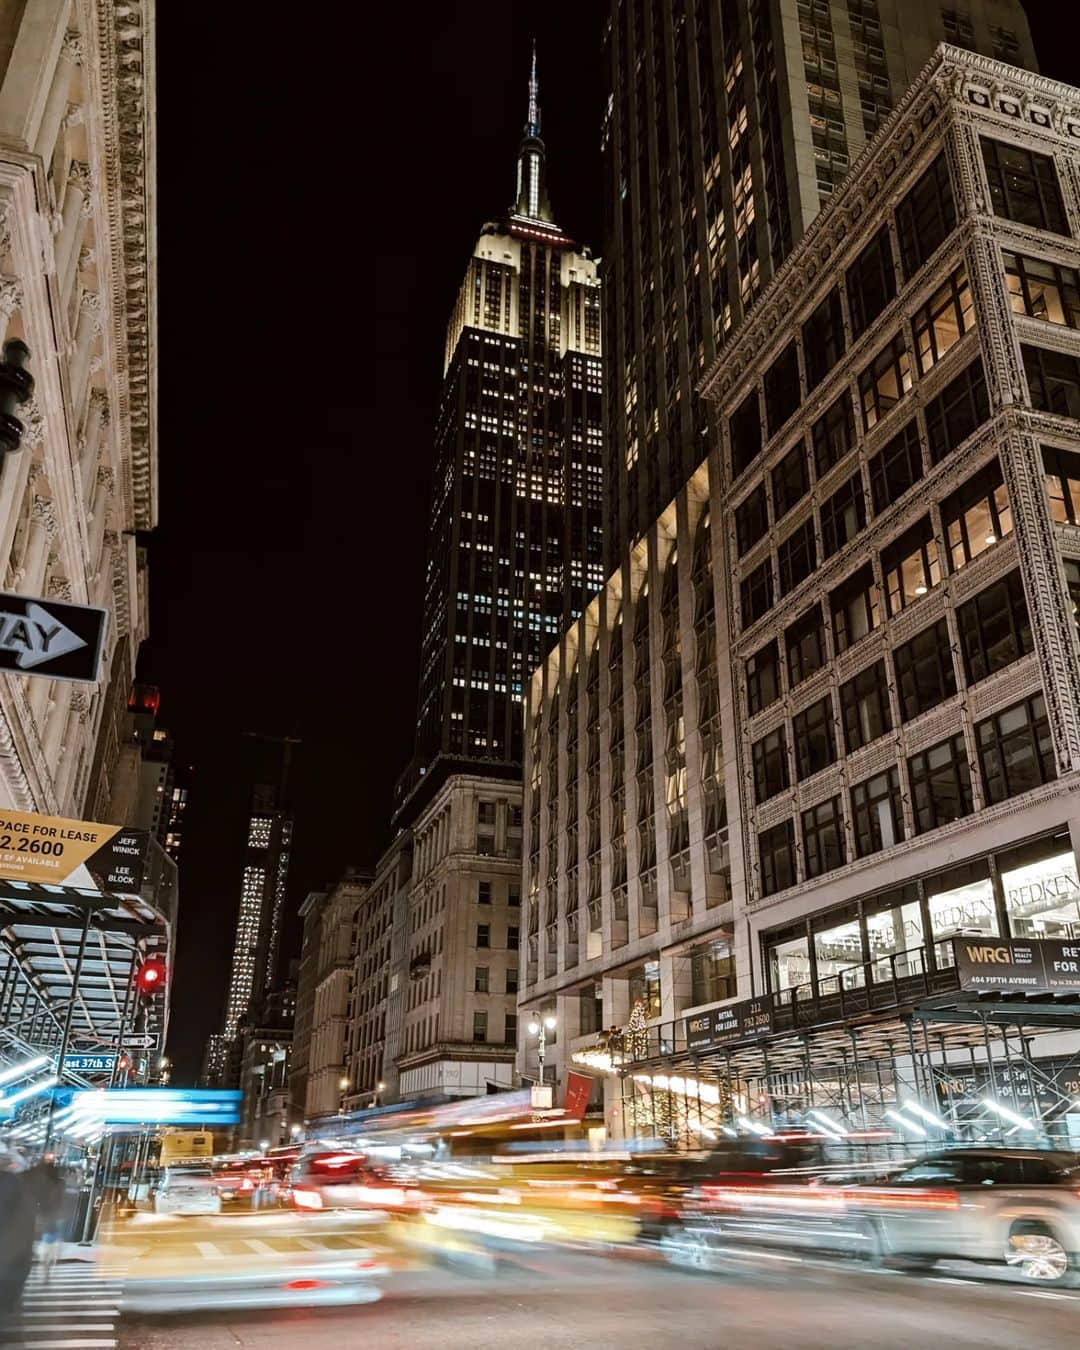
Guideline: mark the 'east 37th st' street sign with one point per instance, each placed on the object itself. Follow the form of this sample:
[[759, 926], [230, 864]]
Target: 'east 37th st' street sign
[[51, 638]]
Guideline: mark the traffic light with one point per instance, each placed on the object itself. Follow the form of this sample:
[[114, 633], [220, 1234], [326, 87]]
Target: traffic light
[[151, 976]]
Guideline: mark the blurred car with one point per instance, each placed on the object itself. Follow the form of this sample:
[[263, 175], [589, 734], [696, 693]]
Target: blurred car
[[235, 1184], [1019, 1206], [187, 1190], [342, 1179]]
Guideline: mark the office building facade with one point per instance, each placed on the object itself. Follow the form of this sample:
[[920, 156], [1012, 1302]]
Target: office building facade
[[727, 127], [824, 722], [514, 545]]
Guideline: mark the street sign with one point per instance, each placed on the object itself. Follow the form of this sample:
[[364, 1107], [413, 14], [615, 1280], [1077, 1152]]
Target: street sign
[[51, 638], [89, 1063], [142, 1040]]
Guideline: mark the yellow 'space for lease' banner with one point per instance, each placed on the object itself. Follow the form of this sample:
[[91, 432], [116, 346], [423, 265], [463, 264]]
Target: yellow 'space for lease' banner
[[78, 853]]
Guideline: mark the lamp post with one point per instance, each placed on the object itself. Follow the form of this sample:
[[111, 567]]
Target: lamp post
[[380, 1088], [539, 1027]]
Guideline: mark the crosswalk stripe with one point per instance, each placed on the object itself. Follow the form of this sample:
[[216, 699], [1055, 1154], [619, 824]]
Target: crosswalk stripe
[[71, 1307]]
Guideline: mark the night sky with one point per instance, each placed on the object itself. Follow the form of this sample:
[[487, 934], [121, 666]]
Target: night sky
[[320, 189]]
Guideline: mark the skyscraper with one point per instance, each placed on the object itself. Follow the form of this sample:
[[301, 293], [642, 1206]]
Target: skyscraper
[[727, 127], [258, 930], [515, 544]]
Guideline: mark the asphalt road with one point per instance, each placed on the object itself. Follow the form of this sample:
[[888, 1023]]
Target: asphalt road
[[548, 1300]]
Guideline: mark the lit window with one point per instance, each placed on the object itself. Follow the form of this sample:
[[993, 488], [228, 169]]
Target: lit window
[[976, 516], [1043, 290], [942, 321], [910, 566]]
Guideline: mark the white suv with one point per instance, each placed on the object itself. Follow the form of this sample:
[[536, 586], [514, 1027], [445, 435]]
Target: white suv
[[187, 1190]]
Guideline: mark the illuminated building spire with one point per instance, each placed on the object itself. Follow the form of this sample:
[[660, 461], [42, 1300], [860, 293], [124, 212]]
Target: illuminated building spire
[[532, 199]]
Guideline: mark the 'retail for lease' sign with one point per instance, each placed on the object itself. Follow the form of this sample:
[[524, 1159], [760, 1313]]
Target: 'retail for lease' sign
[[53, 851]]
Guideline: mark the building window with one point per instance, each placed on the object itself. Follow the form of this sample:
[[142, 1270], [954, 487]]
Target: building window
[[1053, 380], [797, 556], [1072, 582], [925, 217], [782, 395], [823, 837], [877, 813], [856, 608], [1062, 470], [512, 937], [762, 678], [833, 434], [823, 339], [1024, 186], [1015, 749], [885, 381], [712, 973], [479, 1025], [483, 892], [924, 671], [744, 427], [751, 519], [1042, 891], [864, 705], [510, 1028], [483, 935], [485, 814], [756, 593], [776, 852], [871, 282], [480, 980], [790, 480], [842, 516], [815, 738], [1043, 290], [805, 645], [910, 566], [976, 516], [513, 894], [940, 784], [961, 406], [995, 629], [511, 980], [943, 320], [897, 468], [770, 765]]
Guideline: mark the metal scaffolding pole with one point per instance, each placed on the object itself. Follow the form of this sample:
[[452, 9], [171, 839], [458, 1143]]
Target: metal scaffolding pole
[[65, 1036]]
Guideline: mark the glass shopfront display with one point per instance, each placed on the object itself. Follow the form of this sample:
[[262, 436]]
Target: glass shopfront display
[[1031, 891], [838, 951], [789, 966], [894, 934], [960, 904], [1042, 890]]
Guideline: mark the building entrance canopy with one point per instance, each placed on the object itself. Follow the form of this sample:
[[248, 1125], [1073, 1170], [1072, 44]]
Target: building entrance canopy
[[73, 929]]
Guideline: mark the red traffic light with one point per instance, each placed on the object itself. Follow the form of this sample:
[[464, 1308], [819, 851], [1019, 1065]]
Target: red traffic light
[[151, 976]]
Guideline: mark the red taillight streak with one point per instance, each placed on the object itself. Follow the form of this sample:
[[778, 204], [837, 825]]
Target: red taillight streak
[[306, 1284]]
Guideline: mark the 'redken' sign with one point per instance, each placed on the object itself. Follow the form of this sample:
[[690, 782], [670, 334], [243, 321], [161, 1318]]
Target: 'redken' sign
[[51, 638], [1016, 966]]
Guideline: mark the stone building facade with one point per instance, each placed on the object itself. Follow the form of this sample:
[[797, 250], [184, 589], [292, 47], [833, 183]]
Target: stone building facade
[[78, 287], [728, 125], [826, 715]]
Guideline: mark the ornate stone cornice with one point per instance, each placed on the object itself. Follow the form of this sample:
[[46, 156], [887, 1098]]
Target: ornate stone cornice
[[59, 588], [126, 38], [79, 176], [72, 47]]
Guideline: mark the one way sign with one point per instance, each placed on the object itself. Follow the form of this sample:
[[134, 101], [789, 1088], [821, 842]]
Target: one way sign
[[51, 638]]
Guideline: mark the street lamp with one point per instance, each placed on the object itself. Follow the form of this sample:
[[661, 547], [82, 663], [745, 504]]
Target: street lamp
[[380, 1088], [539, 1027], [343, 1087], [294, 1130]]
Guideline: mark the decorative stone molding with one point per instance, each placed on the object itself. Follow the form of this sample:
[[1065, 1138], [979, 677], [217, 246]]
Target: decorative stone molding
[[79, 176], [43, 513], [100, 398], [87, 257], [33, 425], [59, 588], [107, 479], [11, 296], [80, 701], [75, 115], [72, 47]]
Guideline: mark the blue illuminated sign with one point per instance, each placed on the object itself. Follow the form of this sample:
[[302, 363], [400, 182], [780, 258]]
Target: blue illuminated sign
[[160, 1106]]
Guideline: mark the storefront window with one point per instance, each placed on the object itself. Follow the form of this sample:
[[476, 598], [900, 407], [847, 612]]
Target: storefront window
[[644, 984], [790, 967], [961, 904], [894, 934], [712, 973], [1042, 894], [839, 954]]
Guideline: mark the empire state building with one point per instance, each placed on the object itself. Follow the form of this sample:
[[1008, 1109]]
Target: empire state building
[[515, 547]]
